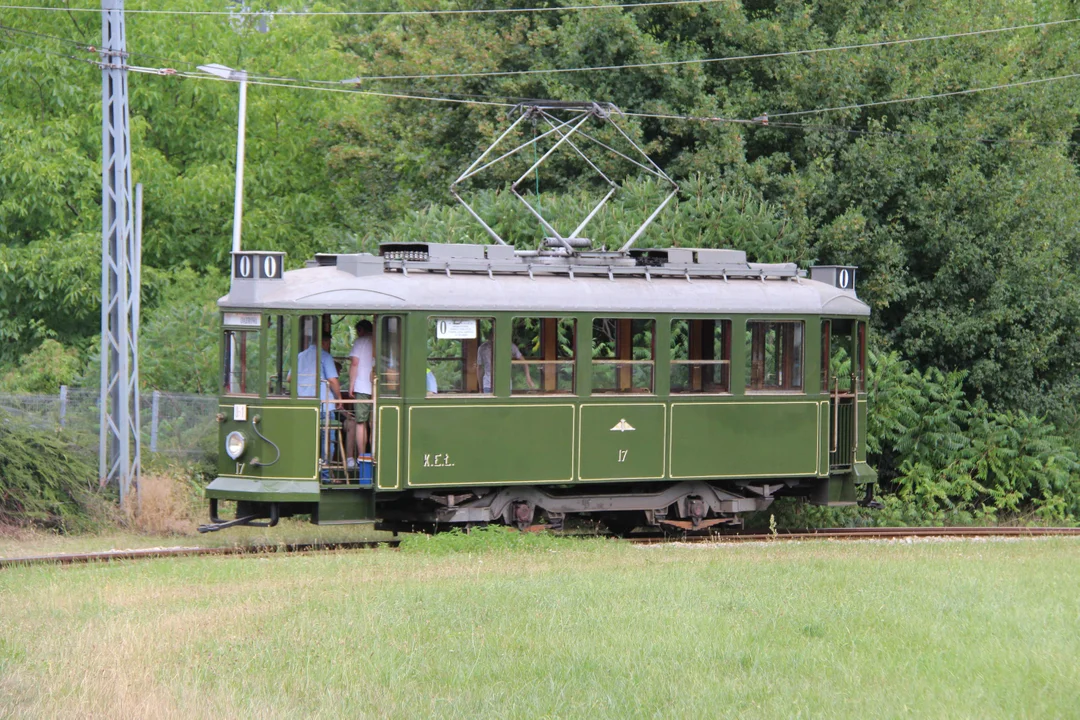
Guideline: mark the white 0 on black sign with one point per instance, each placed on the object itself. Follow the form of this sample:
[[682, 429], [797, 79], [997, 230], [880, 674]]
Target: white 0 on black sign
[[845, 278], [455, 329], [243, 266], [270, 266]]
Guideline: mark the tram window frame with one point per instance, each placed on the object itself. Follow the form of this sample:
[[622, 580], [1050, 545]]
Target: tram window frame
[[628, 371], [391, 328], [788, 354], [861, 347], [311, 330], [700, 361], [279, 356], [442, 366], [543, 346], [245, 376]]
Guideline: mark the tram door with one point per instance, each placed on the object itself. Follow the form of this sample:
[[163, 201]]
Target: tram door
[[843, 378], [386, 413]]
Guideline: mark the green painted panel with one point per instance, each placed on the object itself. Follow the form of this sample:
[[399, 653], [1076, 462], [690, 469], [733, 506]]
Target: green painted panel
[[338, 506], [388, 450], [622, 441], [745, 439], [483, 444], [291, 428], [235, 488]]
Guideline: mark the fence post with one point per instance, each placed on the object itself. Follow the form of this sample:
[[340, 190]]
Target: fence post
[[154, 421], [63, 404]]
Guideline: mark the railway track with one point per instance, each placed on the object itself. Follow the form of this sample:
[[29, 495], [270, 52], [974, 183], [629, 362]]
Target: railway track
[[736, 537]]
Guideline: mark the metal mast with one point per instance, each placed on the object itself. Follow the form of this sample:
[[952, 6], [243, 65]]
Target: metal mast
[[120, 447]]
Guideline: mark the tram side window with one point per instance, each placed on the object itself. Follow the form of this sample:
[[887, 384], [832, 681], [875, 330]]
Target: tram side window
[[623, 355], [701, 356], [544, 361], [459, 355], [775, 349], [390, 356], [279, 357], [241, 365]]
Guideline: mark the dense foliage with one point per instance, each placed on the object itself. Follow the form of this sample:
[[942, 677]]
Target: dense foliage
[[960, 211], [42, 481]]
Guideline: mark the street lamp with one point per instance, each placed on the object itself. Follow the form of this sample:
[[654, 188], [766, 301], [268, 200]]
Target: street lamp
[[240, 76]]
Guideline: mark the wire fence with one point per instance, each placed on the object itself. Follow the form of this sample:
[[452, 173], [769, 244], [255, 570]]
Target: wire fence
[[172, 425]]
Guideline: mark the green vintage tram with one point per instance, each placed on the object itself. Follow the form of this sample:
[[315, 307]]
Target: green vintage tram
[[672, 387]]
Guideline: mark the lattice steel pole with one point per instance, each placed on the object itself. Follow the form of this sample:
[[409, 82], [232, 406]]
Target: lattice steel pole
[[119, 444]]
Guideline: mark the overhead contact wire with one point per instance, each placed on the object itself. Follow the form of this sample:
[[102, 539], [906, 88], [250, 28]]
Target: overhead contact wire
[[371, 13]]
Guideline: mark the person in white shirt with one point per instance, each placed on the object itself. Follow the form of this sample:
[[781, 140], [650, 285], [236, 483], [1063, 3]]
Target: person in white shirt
[[361, 367]]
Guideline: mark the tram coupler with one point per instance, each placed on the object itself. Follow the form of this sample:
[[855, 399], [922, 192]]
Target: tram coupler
[[868, 500], [217, 523]]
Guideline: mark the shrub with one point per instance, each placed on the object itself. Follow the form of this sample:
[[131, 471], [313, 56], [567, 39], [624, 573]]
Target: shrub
[[43, 481]]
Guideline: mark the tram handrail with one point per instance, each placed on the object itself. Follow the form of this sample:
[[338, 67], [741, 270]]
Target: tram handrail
[[333, 404]]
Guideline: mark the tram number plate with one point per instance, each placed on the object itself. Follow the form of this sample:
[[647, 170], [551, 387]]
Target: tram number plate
[[455, 329]]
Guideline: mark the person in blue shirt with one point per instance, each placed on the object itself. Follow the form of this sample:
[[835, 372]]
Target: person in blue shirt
[[329, 387], [305, 369]]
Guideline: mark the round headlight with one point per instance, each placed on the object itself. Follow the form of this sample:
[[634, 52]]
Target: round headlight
[[234, 444]]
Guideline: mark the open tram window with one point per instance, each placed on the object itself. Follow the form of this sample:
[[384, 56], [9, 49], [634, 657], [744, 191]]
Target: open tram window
[[623, 355], [240, 366], [775, 349], [544, 359], [390, 356], [701, 356], [459, 355], [839, 338], [278, 344], [861, 348]]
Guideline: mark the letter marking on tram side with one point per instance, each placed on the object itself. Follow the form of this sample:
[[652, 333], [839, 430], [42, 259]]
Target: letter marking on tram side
[[441, 460], [623, 454], [240, 468]]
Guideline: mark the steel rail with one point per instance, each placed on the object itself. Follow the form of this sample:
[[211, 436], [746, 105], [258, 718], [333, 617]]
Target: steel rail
[[155, 553], [877, 533], [868, 533]]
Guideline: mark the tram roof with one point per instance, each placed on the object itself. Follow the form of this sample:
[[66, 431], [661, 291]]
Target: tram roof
[[386, 288]]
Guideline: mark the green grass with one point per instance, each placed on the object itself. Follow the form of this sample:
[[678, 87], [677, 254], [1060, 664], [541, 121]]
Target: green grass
[[569, 628]]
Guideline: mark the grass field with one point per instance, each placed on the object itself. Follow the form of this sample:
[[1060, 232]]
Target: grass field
[[569, 628]]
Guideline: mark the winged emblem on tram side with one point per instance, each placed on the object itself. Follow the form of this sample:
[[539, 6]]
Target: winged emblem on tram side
[[622, 426]]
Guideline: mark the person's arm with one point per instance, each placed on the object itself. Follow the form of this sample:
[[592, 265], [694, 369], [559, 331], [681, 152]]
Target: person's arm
[[515, 354], [335, 388], [354, 370]]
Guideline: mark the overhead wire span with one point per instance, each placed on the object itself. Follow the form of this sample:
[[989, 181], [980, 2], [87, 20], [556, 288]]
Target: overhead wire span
[[371, 13], [727, 59], [917, 98]]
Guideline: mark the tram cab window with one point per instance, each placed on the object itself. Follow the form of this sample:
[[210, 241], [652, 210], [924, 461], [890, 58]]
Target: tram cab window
[[623, 355], [775, 349], [459, 355], [544, 363], [241, 362], [841, 340], [279, 357], [701, 356], [390, 356], [312, 371]]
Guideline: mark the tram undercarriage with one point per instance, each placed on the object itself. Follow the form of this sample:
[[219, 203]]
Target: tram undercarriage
[[685, 505]]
